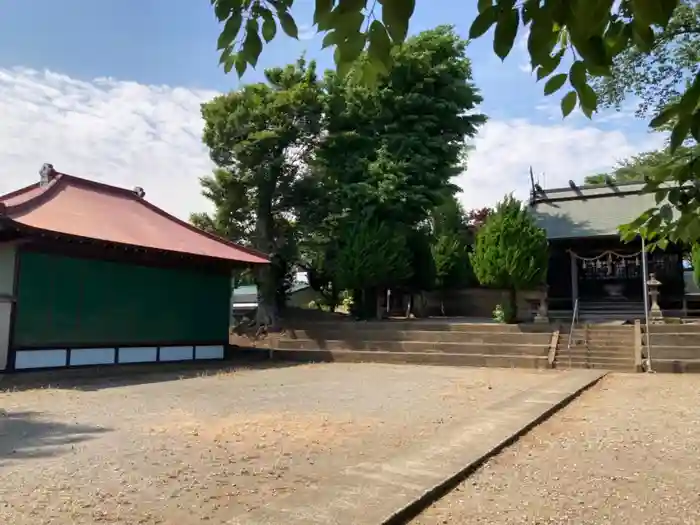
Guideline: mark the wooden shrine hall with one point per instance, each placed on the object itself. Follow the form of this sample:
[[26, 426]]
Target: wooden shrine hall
[[589, 262], [93, 274]]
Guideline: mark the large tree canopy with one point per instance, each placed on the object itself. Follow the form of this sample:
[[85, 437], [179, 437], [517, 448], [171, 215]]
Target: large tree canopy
[[569, 41], [259, 138], [389, 152]]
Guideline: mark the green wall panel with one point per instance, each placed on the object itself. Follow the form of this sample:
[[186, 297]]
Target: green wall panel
[[7, 269], [64, 300]]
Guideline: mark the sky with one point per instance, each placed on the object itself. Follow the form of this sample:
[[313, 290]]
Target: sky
[[111, 90]]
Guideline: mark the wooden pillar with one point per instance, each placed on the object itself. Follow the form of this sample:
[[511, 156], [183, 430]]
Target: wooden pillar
[[574, 280], [8, 262]]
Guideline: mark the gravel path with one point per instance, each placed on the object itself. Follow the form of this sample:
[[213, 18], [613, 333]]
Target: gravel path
[[205, 449], [626, 452]]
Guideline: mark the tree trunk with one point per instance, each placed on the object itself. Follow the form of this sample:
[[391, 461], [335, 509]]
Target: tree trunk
[[267, 314], [512, 306]]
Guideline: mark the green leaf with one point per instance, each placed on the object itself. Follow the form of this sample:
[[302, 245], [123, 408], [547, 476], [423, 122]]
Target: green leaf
[[593, 50], [331, 39], [568, 103], [230, 31], [289, 26], [695, 126], [506, 31], [482, 5], [666, 212], [588, 99], [269, 27], [643, 36], [530, 10], [483, 22], [690, 99], [396, 14], [577, 74], [680, 131], [548, 66], [649, 12], [351, 48], [379, 43], [555, 83], [664, 116], [541, 40], [252, 45], [667, 7], [224, 8], [240, 64], [323, 9]]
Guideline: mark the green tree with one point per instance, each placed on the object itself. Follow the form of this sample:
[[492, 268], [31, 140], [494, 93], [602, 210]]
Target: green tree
[[641, 167], [390, 150], [370, 255], [259, 138], [451, 260], [656, 78], [394, 147], [593, 32], [511, 252]]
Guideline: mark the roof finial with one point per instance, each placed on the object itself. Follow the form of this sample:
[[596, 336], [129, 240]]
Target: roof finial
[[46, 173], [139, 191]]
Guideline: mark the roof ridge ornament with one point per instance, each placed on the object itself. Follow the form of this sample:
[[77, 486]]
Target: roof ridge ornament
[[47, 174]]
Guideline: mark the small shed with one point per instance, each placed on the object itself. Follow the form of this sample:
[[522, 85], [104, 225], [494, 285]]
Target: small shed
[[92, 274]]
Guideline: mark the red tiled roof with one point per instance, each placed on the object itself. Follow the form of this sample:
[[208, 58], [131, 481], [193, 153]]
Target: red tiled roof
[[79, 207]]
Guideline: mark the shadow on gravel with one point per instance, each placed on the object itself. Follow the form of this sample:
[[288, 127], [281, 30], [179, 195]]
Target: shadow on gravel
[[24, 435], [95, 378]]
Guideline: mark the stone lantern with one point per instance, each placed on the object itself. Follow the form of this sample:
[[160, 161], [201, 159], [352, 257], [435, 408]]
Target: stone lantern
[[653, 285], [542, 315]]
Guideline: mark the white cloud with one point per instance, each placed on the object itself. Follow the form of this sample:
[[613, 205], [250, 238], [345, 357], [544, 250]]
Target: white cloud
[[128, 134], [121, 133], [505, 150]]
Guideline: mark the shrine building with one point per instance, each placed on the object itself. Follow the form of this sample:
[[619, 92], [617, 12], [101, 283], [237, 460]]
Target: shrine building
[[92, 274]]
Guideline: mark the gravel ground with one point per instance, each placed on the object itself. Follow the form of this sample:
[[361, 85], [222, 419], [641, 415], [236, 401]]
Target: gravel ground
[[626, 452], [204, 449]]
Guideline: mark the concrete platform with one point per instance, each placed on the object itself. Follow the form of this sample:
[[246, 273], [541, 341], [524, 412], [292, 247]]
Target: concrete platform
[[392, 491]]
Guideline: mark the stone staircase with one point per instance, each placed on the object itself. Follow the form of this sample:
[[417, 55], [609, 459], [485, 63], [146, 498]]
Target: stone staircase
[[417, 342], [596, 312], [674, 347], [597, 346]]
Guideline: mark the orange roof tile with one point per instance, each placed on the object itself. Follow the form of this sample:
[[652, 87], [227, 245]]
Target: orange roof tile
[[80, 207]]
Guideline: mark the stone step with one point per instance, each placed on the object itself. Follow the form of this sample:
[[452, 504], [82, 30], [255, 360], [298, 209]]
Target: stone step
[[675, 366], [608, 352], [673, 328], [359, 356], [673, 339], [418, 324], [414, 347], [604, 363], [603, 343], [673, 352], [427, 336], [605, 330]]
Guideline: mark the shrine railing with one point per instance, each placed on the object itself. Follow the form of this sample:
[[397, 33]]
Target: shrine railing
[[574, 322]]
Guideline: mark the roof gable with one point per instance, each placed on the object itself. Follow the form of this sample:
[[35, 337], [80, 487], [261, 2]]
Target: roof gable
[[589, 211], [79, 207]]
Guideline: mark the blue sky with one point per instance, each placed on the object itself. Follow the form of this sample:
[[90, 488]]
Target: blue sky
[[83, 80]]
